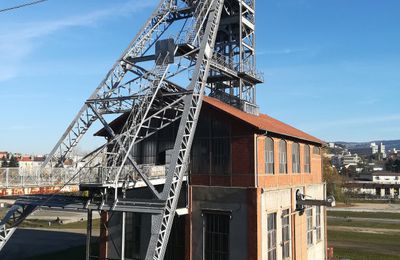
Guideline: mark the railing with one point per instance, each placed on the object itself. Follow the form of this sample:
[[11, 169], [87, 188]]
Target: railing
[[106, 175], [36, 177]]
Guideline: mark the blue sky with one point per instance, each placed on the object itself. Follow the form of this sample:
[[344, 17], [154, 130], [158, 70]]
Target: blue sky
[[332, 67]]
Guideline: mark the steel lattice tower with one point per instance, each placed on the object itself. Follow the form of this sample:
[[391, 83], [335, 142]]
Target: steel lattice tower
[[185, 50]]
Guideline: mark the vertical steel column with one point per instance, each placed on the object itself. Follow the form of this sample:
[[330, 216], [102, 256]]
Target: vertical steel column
[[123, 222], [88, 233]]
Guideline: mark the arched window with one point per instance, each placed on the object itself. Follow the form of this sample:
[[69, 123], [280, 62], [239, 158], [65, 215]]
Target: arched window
[[295, 158], [282, 157], [316, 150], [307, 162], [269, 156]]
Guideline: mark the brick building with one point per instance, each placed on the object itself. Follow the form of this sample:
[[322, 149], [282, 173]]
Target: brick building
[[240, 192]]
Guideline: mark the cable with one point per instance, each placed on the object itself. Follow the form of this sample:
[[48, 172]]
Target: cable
[[20, 6]]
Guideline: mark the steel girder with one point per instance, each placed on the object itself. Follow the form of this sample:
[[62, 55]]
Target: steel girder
[[162, 224], [158, 103]]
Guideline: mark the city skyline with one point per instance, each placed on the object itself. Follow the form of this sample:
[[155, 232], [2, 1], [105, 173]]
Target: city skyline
[[54, 55]]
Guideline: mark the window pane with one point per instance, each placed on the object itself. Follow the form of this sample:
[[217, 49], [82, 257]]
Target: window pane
[[295, 158], [307, 162], [309, 214], [269, 155], [271, 220], [282, 157], [285, 234]]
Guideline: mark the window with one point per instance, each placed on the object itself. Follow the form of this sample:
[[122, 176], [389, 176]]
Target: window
[[316, 150], [216, 234], [310, 238], [318, 223], [282, 157], [285, 234], [220, 148], [295, 158], [307, 162], [271, 219], [132, 235], [269, 155], [211, 152]]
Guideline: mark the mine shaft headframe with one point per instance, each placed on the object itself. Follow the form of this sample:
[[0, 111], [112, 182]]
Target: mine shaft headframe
[[302, 201]]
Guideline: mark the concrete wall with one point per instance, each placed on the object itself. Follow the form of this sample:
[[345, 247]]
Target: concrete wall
[[233, 200], [275, 201], [317, 250]]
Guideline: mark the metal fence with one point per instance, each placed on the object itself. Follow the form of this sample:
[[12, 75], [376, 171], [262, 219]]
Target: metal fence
[[37, 177], [41, 177]]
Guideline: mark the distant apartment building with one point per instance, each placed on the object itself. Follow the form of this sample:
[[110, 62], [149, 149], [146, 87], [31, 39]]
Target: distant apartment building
[[378, 184], [350, 159], [30, 164], [378, 149]]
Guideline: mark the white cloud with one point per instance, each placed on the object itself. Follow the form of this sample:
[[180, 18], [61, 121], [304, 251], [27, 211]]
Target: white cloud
[[20, 39]]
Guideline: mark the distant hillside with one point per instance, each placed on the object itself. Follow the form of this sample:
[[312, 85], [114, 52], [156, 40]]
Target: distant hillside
[[390, 144]]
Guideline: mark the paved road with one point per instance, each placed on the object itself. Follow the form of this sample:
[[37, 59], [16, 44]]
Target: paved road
[[377, 220], [368, 207]]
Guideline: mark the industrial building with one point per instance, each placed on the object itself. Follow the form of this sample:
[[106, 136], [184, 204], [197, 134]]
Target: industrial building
[[243, 177], [189, 167]]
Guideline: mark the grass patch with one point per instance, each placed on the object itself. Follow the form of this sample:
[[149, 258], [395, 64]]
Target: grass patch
[[361, 223], [39, 223], [380, 215], [366, 242], [356, 254]]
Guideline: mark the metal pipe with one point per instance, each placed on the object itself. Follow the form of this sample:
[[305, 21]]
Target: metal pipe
[[88, 233]]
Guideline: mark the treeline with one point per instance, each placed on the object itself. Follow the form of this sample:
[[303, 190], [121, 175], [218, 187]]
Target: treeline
[[393, 165], [13, 162]]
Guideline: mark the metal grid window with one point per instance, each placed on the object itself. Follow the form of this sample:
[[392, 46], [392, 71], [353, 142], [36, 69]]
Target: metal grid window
[[285, 234], [269, 156], [271, 219], [295, 158], [310, 237], [307, 161], [216, 236], [318, 223], [282, 157], [132, 235]]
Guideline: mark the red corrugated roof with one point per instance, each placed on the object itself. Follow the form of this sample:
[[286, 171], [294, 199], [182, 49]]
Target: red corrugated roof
[[262, 121], [25, 159]]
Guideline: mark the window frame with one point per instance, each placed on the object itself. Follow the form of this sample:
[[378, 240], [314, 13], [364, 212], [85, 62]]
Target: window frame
[[286, 242], [318, 227], [310, 228], [307, 158], [216, 213], [269, 154], [294, 157], [283, 162], [316, 150], [272, 236]]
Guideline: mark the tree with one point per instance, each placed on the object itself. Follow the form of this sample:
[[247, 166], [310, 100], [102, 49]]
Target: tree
[[4, 162], [334, 181], [13, 162]]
